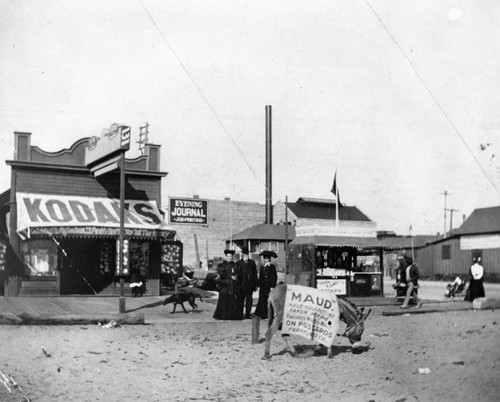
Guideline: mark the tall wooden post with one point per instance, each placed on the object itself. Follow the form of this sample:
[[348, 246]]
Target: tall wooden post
[[122, 230]]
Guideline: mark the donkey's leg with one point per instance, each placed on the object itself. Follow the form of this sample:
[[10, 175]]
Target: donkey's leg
[[269, 336], [291, 349], [330, 352]]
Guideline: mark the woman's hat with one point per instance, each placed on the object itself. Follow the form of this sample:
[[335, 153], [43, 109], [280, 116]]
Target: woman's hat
[[268, 254]]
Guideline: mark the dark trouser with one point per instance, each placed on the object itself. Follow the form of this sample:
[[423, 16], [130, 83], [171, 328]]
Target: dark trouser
[[245, 302]]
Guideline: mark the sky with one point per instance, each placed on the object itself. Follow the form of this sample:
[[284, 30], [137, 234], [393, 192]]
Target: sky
[[401, 99]]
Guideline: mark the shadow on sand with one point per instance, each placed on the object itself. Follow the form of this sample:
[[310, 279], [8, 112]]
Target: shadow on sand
[[306, 351]]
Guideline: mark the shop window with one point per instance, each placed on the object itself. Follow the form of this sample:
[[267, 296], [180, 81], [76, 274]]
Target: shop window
[[446, 252], [273, 246], [40, 256]]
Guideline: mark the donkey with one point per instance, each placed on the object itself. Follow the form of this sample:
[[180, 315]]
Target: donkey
[[353, 318]]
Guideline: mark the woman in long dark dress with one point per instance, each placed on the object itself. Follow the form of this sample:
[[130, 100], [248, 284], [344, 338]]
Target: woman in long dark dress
[[226, 308], [476, 287], [267, 280]]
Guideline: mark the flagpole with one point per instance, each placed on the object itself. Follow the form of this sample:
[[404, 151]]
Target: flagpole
[[412, 247], [336, 209], [336, 201]]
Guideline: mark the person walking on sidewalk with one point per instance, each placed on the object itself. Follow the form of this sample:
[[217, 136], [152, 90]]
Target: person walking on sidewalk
[[476, 287], [268, 278], [246, 274], [411, 276]]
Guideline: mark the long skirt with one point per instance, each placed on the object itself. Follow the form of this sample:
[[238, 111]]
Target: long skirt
[[226, 308], [261, 309], [475, 290]]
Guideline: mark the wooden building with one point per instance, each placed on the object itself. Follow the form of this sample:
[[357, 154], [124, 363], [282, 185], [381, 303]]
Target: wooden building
[[263, 237], [63, 222], [452, 255]]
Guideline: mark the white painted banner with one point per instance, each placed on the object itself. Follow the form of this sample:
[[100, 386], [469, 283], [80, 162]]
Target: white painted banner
[[311, 313], [479, 242], [337, 286], [40, 210]]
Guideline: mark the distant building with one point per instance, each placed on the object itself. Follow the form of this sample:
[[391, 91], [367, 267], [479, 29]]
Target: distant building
[[479, 235], [313, 216], [223, 219]]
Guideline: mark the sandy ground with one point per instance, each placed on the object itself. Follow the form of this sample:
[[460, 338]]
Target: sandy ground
[[217, 361]]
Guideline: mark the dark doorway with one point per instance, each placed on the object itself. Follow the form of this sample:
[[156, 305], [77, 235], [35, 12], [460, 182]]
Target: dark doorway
[[80, 268]]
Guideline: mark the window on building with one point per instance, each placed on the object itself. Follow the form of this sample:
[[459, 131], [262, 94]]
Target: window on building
[[446, 252], [40, 256], [255, 246]]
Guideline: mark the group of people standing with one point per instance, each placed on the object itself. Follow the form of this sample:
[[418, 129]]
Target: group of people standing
[[237, 281]]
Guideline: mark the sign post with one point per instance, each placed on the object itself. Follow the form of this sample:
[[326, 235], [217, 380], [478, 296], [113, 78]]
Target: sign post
[[122, 230], [101, 157]]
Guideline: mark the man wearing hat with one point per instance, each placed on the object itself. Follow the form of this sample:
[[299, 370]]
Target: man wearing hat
[[267, 280], [411, 276], [226, 284], [246, 282]]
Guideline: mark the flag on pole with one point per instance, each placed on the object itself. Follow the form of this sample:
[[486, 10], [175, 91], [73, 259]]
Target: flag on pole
[[335, 190]]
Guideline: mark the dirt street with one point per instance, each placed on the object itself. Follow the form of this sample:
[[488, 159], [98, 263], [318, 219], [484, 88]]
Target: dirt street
[[459, 351]]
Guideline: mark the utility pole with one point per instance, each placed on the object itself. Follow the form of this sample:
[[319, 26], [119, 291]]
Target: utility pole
[[446, 194], [451, 210]]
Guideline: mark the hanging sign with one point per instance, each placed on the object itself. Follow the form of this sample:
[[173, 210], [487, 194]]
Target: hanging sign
[[311, 313], [124, 254], [113, 140], [188, 210]]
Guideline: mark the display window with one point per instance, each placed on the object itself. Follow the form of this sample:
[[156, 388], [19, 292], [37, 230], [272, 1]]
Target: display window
[[367, 263], [40, 257]]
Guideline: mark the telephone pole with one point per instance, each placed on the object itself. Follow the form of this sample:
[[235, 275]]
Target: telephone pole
[[446, 194]]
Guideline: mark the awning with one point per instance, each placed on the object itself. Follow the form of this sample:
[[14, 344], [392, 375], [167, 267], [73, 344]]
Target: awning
[[56, 215], [339, 241]]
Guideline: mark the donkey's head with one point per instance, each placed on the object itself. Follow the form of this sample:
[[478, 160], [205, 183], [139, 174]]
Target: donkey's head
[[354, 319]]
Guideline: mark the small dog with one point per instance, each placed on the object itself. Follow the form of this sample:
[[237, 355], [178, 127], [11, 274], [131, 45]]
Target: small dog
[[181, 298]]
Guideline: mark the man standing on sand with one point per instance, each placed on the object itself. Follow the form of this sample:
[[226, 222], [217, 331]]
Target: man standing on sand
[[246, 273], [411, 275]]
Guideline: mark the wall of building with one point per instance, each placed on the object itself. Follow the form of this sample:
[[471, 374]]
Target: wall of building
[[430, 259], [224, 218]]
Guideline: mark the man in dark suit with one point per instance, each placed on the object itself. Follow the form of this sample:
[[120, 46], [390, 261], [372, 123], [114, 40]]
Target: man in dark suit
[[246, 274], [411, 276]]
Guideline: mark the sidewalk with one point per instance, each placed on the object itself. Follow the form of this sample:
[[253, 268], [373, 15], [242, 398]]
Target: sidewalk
[[66, 310]]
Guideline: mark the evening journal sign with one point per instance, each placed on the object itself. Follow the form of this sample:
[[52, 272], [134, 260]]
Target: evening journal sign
[[44, 211], [188, 210], [311, 313]]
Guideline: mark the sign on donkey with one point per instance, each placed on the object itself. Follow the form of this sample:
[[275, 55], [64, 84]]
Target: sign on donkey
[[311, 313]]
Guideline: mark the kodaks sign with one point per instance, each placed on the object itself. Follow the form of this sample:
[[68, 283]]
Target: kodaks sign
[[37, 210], [183, 210]]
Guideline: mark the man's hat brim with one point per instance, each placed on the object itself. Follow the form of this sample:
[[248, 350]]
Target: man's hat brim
[[227, 251]]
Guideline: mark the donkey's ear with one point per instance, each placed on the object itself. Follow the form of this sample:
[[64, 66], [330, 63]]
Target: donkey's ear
[[366, 316]]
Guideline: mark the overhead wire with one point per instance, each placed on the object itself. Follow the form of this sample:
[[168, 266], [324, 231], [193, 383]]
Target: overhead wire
[[429, 91], [201, 93]]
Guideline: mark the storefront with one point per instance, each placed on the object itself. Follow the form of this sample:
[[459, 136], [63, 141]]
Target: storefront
[[347, 266], [64, 223]]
